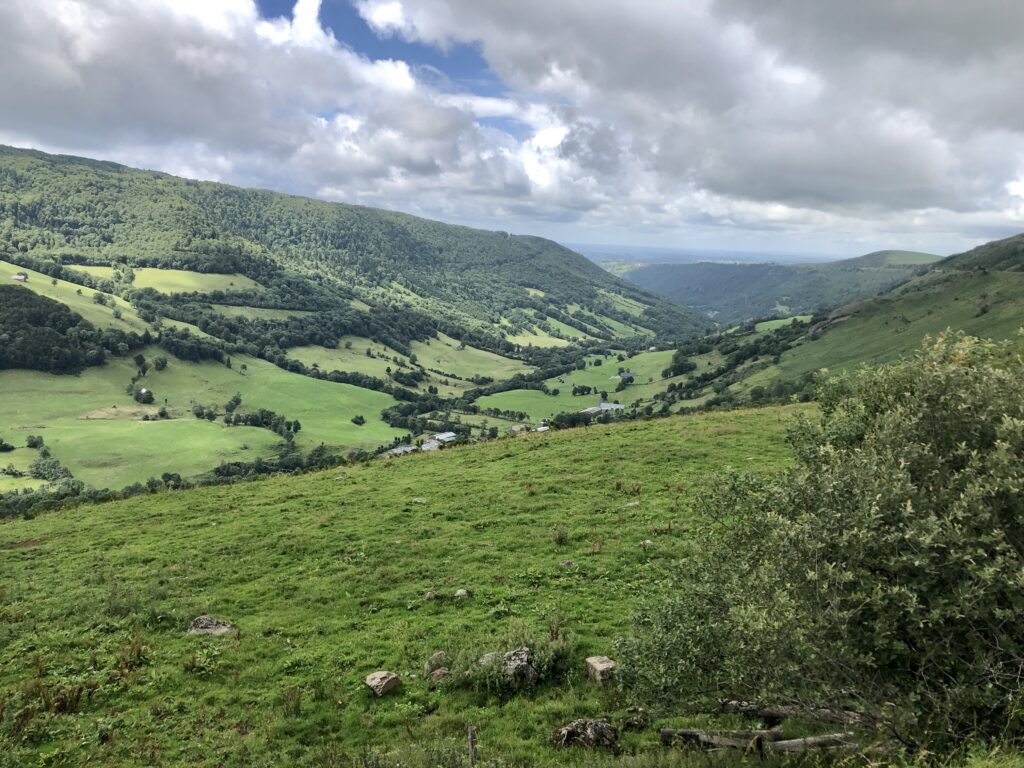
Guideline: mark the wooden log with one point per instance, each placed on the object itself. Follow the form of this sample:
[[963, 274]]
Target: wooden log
[[826, 741], [777, 713]]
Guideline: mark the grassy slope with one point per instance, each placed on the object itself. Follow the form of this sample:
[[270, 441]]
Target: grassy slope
[[443, 354], [112, 447], [893, 325], [186, 281], [324, 574], [106, 212]]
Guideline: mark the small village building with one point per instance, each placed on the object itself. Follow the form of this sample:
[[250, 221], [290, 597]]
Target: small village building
[[542, 428], [403, 449], [627, 376], [430, 445], [20, 277], [518, 429], [446, 437], [594, 410]]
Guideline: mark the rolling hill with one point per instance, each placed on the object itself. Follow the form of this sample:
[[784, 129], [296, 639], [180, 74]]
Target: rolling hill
[[980, 292], [734, 292], [287, 327]]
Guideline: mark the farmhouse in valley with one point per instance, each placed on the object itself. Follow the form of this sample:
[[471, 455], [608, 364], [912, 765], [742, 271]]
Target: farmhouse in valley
[[601, 408], [446, 437]]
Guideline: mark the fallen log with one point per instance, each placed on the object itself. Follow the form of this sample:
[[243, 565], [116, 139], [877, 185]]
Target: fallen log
[[753, 741]]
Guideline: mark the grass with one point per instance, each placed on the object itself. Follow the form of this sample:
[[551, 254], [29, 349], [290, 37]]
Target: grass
[[80, 300], [444, 354], [782, 322], [646, 365], [94, 427], [987, 305], [19, 458], [324, 574], [351, 358], [261, 313], [186, 281]]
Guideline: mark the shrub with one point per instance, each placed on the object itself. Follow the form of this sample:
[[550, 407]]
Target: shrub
[[883, 573]]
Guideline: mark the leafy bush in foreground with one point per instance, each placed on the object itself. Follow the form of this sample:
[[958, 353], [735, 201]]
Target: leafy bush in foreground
[[883, 574]]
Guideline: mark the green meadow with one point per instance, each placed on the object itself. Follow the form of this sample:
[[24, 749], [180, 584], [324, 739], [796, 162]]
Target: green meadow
[[95, 428], [446, 354], [647, 366], [187, 281], [324, 575]]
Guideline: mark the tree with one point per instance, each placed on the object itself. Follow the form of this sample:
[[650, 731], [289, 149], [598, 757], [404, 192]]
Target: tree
[[882, 574], [159, 363], [34, 441], [358, 420]]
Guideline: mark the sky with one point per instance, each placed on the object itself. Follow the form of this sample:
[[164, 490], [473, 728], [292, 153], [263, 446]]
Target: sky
[[828, 127]]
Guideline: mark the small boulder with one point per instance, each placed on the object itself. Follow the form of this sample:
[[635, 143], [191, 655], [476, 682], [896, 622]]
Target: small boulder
[[209, 625], [383, 682], [600, 669], [517, 666], [436, 661], [567, 564], [430, 595], [461, 594], [646, 544], [586, 733], [439, 674]]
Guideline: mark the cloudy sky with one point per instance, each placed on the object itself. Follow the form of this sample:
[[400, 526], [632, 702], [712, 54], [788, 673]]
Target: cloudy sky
[[797, 126]]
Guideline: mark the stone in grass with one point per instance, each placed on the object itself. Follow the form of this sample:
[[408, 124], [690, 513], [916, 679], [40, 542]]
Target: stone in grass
[[462, 594], [209, 625], [439, 674], [436, 661], [600, 669], [586, 733], [516, 666], [383, 682]]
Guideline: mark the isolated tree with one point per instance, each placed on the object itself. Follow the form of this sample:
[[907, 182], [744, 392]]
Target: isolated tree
[[883, 574]]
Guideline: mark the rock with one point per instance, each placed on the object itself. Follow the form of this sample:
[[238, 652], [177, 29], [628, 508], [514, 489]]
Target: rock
[[209, 625], [436, 661], [418, 500], [440, 674], [383, 682], [646, 544], [429, 595], [586, 733], [461, 594], [636, 720], [515, 665], [567, 564], [600, 669]]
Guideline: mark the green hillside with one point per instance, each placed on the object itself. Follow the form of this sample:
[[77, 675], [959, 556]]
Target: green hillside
[[733, 293], [181, 238], [964, 292], [325, 576], [362, 326]]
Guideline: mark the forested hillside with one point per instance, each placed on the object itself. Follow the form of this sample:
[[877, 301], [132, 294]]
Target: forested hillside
[[307, 254], [733, 293]]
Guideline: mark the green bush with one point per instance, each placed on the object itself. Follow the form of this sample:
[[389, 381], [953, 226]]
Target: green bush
[[884, 573]]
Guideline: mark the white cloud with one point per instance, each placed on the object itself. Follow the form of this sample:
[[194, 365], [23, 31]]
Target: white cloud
[[805, 124]]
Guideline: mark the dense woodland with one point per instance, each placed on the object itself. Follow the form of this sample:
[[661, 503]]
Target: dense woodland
[[40, 334]]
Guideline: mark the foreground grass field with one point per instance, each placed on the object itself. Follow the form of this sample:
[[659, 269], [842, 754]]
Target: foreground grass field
[[325, 575]]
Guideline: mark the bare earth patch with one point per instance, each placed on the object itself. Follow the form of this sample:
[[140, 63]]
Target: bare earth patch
[[113, 412], [26, 544]]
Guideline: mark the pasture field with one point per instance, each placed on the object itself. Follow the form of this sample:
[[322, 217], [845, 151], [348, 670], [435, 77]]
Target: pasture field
[[187, 281], [324, 574], [770, 325], [262, 313], [443, 354], [80, 299], [95, 428], [354, 358], [646, 365], [19, 458]]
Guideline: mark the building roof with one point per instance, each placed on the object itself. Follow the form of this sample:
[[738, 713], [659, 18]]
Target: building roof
[[446, 437]]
